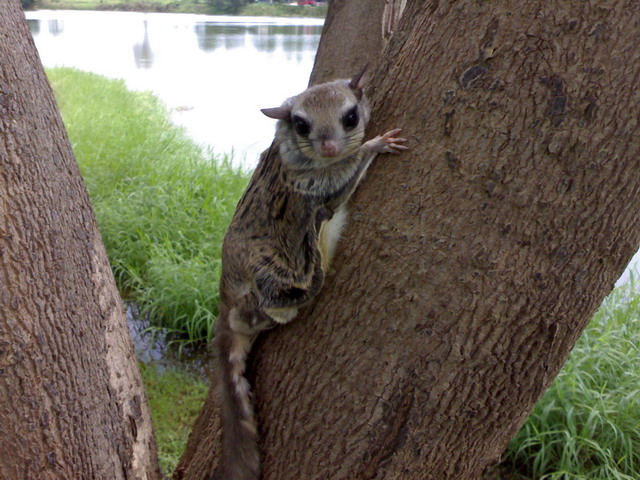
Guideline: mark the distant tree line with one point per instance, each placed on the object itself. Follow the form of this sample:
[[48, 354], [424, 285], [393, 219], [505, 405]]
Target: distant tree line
[[28, 3]]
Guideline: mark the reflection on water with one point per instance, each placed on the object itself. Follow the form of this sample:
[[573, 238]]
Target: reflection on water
[[214, 73], [212, 36], [154, 347], [34, 26], [142, 51], [55, 27]]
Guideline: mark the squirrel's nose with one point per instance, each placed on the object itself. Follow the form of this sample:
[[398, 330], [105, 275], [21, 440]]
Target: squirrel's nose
[[329, 148]]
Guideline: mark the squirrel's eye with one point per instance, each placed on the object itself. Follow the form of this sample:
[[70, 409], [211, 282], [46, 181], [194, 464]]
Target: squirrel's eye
[[350, 119], [301, 126]]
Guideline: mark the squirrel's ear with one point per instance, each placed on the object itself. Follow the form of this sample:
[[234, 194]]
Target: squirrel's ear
[[278, 113], [358, 82]]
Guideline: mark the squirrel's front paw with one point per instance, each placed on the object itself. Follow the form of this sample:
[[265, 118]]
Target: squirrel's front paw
[[388, 143]]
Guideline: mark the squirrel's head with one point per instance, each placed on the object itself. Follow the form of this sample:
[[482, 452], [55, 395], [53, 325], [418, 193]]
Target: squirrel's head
[[323, 124]]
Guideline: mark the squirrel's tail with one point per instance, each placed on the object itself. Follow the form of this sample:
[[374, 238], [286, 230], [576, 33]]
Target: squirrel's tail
[[240, 456]]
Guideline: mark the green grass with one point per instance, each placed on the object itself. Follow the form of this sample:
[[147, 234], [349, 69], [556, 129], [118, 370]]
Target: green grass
[[175, 399], [587, 426], [162, 202]]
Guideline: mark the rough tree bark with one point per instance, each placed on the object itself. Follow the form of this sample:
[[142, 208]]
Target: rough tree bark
[[72, 405], [472, 263], [352, 33]]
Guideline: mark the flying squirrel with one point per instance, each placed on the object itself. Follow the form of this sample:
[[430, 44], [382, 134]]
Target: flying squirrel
[[282, 237]]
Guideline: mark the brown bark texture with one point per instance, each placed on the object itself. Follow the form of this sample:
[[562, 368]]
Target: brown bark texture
[[473, 262], [351, 38], [72, 405]]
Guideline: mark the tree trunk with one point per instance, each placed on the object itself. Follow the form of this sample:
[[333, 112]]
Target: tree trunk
[[72, 405], [354, 35], [351, 38], [471, 263]]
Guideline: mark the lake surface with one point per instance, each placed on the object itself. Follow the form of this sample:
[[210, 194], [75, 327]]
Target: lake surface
[[215, 73]]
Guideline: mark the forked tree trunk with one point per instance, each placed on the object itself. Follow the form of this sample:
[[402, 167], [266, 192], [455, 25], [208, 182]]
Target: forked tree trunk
[[72, 404], [471, 263]]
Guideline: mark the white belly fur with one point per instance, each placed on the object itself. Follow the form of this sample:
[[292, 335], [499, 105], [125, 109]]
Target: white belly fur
[[329, 235]]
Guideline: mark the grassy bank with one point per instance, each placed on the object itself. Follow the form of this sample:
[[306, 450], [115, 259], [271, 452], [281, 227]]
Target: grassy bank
[[182, 6], [175, 399], [162, 205], [162, 202]]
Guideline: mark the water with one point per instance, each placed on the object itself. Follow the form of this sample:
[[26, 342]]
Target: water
[[153, 346], [215, 73]]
